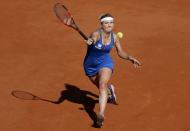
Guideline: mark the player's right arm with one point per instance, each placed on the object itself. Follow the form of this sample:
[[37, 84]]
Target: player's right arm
[[93, 38]]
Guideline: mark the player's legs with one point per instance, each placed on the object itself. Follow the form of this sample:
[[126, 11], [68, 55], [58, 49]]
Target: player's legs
[[95, 81], [101, 81], [104, 77]]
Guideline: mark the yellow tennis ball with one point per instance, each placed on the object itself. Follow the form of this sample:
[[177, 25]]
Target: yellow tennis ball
[[120, 34]]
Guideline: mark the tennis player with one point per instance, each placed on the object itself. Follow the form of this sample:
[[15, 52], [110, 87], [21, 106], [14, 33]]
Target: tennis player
[[98, 64]]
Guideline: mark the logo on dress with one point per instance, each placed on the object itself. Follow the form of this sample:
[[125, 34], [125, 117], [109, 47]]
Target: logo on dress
[[99, 46]]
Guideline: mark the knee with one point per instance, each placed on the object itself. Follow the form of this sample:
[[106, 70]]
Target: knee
[[103, 86]]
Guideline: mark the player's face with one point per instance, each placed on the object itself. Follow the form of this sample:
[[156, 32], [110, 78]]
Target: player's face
[[108, 26]]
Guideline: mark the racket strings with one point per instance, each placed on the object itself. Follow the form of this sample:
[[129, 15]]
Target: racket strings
[[66, 18], [63, 14]]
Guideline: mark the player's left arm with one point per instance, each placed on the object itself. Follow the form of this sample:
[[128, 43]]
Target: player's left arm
[[122, 54]]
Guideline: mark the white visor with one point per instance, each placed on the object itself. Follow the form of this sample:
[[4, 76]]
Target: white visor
[[106, 19]]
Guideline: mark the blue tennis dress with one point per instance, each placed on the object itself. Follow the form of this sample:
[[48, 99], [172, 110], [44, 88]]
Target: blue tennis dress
[[98, 56]]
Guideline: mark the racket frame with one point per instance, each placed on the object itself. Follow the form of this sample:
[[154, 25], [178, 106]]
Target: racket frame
[[74, 25]]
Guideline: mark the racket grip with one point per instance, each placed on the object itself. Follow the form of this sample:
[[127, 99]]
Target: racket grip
[[82, 34]]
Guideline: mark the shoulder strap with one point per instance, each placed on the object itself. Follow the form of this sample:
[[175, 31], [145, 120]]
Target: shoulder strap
[[100, 35], [112, 38]]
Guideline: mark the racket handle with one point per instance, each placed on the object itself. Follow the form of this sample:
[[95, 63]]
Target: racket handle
[[82, 34]]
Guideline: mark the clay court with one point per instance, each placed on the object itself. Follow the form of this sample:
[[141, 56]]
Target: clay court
[[42, 56]]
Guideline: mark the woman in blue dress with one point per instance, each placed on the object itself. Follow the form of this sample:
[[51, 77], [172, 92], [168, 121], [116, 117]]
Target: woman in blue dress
[[98, 64]]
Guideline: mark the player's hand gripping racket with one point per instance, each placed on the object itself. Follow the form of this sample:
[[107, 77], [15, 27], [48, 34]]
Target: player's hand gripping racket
[[66, 18]]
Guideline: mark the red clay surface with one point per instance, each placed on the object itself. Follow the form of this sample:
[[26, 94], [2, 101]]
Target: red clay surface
[[40, 55]]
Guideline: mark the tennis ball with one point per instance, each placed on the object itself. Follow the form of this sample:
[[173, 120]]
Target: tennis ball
[[120, 34]]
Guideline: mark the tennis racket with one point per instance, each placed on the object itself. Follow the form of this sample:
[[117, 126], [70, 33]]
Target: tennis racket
[[66, 18], [27, 96]]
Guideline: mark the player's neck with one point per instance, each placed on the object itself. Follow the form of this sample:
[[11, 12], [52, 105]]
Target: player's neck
[[106, 34]]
